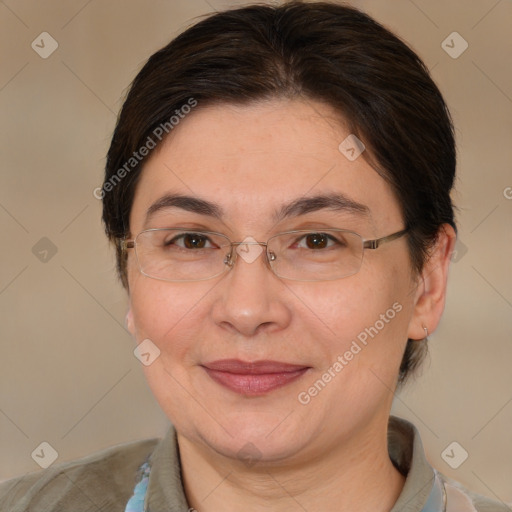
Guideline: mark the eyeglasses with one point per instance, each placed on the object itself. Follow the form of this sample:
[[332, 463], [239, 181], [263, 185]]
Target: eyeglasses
[[182, 254]]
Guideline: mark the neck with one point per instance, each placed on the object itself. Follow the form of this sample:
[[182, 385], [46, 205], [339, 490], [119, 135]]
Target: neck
[[355, 476]]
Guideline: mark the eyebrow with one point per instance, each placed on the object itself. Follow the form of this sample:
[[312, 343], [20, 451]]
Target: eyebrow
[[335, 202], [188, 203], [297, 207]]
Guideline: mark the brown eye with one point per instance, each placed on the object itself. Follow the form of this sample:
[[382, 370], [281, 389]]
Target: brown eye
[[194, 241], [189, 241], [316, 241]]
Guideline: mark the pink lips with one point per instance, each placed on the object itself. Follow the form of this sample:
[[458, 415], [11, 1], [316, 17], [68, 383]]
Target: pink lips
[[253, 378]]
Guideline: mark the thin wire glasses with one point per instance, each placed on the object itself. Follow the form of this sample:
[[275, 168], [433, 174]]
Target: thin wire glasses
[[182, 254]]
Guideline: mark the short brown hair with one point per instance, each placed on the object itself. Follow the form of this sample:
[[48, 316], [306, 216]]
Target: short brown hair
[[316, 50]]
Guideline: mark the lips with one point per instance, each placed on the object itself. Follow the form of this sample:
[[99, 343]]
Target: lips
[[253, 378]]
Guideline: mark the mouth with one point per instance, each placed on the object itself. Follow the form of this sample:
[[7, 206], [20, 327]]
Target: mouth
[[253, 378]]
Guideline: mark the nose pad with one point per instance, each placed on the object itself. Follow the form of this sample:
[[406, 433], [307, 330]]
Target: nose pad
[[229, 260]]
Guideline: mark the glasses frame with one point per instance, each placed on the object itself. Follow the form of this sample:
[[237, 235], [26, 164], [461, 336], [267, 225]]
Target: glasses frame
[[230, 260]]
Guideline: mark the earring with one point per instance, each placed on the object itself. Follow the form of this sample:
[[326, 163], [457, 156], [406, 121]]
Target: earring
[[426, 332]]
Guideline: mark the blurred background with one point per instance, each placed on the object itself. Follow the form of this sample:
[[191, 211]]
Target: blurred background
[[68, 375]]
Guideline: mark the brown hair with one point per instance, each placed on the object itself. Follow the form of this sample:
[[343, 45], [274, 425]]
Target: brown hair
[[321, 51]]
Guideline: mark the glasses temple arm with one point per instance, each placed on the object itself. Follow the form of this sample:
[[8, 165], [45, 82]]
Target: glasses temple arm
[[374, 244]]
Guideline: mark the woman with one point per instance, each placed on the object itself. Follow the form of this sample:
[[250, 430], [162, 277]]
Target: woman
[[278, 193]]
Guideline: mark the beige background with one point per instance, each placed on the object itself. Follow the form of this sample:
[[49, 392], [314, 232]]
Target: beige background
[[67, 372]]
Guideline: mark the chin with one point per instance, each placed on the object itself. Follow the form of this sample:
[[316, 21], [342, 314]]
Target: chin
[[254, 436]]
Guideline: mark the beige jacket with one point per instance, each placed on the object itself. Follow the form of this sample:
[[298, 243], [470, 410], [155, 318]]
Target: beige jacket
[[104, 482]]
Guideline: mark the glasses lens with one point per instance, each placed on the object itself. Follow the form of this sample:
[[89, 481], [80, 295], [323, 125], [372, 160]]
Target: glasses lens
[[180, 255], [316, 255]]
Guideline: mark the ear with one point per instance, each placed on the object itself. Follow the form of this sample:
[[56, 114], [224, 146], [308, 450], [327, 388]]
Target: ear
[[129, 321], [430, 291]]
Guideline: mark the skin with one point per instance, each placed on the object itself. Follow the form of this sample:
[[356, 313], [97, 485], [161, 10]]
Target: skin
[[330, 454]]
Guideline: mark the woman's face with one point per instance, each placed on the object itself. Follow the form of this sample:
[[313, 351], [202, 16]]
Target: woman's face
[[344, 337]]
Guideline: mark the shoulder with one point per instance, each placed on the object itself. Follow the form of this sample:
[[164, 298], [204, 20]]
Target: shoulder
[[458, 498], [425, 487], [101, 481]]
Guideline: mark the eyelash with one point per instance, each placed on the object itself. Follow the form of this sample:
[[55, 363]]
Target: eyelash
[[298, 240], [181, 236]]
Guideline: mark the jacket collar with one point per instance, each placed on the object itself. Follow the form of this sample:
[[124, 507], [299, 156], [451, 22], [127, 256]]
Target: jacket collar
[[166, 493]]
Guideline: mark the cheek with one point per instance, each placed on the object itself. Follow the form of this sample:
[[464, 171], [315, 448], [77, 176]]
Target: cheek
[[169, 314], [364, 319], [348, 306]]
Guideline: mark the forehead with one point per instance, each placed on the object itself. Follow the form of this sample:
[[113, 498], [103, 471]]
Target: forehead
[[253, 159]]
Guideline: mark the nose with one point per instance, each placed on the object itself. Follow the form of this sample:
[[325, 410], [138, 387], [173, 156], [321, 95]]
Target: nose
[[251, 299]]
